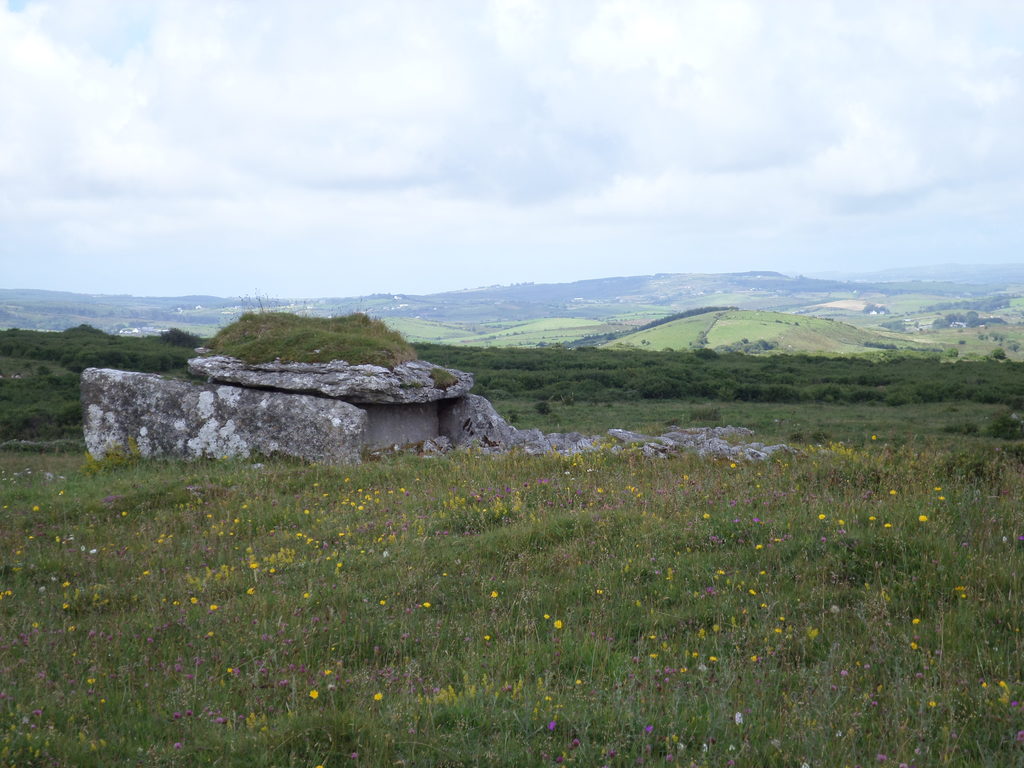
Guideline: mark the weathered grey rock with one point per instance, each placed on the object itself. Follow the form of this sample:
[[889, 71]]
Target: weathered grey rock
[[625, 436], [534, 442], [709, 441], [436, 446], [656, 450], [165, 417], [472, 420], [571, 443], [707, 432], [750, 453], [406, 383], [531, 441], [768, 450]]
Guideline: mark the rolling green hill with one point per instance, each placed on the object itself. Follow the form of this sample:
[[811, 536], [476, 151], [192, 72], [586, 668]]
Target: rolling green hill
[[415, 330], [758, 331], [60, 310], [531, 333]]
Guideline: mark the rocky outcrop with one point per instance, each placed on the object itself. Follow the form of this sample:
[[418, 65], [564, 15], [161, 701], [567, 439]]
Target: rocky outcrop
[[472, 422], [535, 442], [333, 412], [711, 441], [412, 382], [165, 417]]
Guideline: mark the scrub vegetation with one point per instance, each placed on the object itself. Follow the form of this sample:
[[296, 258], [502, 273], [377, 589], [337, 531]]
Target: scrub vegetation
[[39, 375], [609, 375]]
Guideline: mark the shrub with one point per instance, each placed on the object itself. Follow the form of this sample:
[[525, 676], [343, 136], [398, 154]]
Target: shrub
[[179, 338], [356, 339], [1007, 426]]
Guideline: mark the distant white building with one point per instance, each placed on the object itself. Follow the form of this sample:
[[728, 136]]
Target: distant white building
[[146, 330]]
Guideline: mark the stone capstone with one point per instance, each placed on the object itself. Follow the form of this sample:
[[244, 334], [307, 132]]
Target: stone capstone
[[165, 417], [409, 382]]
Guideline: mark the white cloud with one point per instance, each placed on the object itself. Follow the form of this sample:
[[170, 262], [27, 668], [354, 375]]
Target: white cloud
[[220, 134]]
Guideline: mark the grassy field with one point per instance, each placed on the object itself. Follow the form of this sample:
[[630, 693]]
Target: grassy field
[[977, 341], [799, 424], [531, 333], [416, 330], [790, 333], [836, 325], [842, 606], [909, 302], [677, 334], [857, 602], [550, 330], [796, 333], [828, 330]]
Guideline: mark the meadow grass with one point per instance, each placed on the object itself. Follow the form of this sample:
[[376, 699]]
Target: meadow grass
[[838, 607]]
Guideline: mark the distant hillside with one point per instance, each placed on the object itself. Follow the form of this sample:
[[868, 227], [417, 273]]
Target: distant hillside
[[904, 311], [659, 294], [984, 274], [531, 333], [59, 310], [758, 332]]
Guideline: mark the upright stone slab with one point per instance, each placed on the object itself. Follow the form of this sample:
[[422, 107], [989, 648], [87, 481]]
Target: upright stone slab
[[407, 424], [166, 417], [472, 420]]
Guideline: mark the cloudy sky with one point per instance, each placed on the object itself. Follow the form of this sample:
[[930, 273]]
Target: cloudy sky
[[347, 147]]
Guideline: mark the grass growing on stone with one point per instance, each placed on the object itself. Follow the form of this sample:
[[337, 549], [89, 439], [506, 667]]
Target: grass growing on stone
[[842, 607], [442, 378], [261, 337]]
